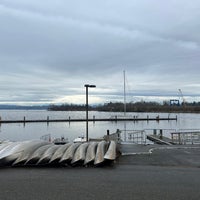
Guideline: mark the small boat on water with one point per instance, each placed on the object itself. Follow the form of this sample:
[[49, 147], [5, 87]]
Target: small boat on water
[[80, 139], [61, 140]]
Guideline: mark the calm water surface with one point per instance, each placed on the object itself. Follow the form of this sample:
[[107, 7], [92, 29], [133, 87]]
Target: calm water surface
[[20, 131]]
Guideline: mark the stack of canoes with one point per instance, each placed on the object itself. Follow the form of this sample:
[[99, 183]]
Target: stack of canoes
[[39, 152]]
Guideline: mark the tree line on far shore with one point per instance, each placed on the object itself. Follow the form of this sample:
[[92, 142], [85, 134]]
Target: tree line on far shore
[[142, 106]]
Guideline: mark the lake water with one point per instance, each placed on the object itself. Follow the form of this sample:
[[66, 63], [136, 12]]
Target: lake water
[[20, 131]]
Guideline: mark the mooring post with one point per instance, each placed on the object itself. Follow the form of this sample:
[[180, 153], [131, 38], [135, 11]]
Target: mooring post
[[154, 131], [179, 138], [118, 135], [161, 133], [108, 132], [24, 121], [47, 120]]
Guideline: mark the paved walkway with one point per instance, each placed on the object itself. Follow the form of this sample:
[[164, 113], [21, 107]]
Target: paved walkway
[[132, 149], [167, 173], [161, 155]]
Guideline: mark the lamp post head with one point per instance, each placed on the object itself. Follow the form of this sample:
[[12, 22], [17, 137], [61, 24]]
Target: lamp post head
[[92, 86]]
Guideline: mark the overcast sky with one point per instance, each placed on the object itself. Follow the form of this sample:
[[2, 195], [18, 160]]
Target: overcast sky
[[50, 49]]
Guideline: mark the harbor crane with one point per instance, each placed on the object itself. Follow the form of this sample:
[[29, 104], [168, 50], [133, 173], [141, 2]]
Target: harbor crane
[[181, 95]]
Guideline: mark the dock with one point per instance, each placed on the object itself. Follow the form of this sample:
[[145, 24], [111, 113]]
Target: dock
[[115, 119]]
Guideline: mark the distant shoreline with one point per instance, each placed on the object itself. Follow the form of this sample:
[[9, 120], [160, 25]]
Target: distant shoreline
[[151, 107], [138, 107]]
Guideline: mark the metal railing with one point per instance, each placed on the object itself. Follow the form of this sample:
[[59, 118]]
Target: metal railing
[[180, 136], [133, 136], [186, 136]]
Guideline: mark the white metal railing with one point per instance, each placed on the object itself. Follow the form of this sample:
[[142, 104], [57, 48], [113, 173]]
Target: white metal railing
[[180, 136], [133, 136], [186, 136]]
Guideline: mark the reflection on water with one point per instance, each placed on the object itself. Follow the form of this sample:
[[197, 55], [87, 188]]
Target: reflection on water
[[19, 132]]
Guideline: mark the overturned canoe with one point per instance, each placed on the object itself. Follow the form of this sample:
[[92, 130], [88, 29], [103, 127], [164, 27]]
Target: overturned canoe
[[101, 149], [111, 152], [35, 157], [91, 153], [28, 150], [10, 152], [59, 153], [80, 153], [69, 153], [46, 157]]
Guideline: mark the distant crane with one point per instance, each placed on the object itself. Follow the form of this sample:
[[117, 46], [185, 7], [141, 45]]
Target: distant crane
[[181, 95]]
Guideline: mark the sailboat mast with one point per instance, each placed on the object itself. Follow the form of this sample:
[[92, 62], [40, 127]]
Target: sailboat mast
[[124, 94]]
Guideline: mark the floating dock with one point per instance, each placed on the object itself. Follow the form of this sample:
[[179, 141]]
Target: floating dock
[[115, 119]]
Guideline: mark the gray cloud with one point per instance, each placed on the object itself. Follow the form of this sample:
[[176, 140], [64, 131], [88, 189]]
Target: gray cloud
[[49, 49]]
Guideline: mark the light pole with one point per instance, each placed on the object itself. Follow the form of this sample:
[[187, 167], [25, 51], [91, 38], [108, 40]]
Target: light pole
[[87, 86]]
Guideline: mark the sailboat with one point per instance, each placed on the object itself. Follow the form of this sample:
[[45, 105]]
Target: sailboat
[[124, 93], [124, 115]]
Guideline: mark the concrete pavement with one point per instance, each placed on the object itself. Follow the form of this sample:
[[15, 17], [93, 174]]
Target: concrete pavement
[[165, 174]]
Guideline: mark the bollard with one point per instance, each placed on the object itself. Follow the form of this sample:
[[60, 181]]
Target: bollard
[[108, 132], [154, 131], [118, 136], [161, 133]]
